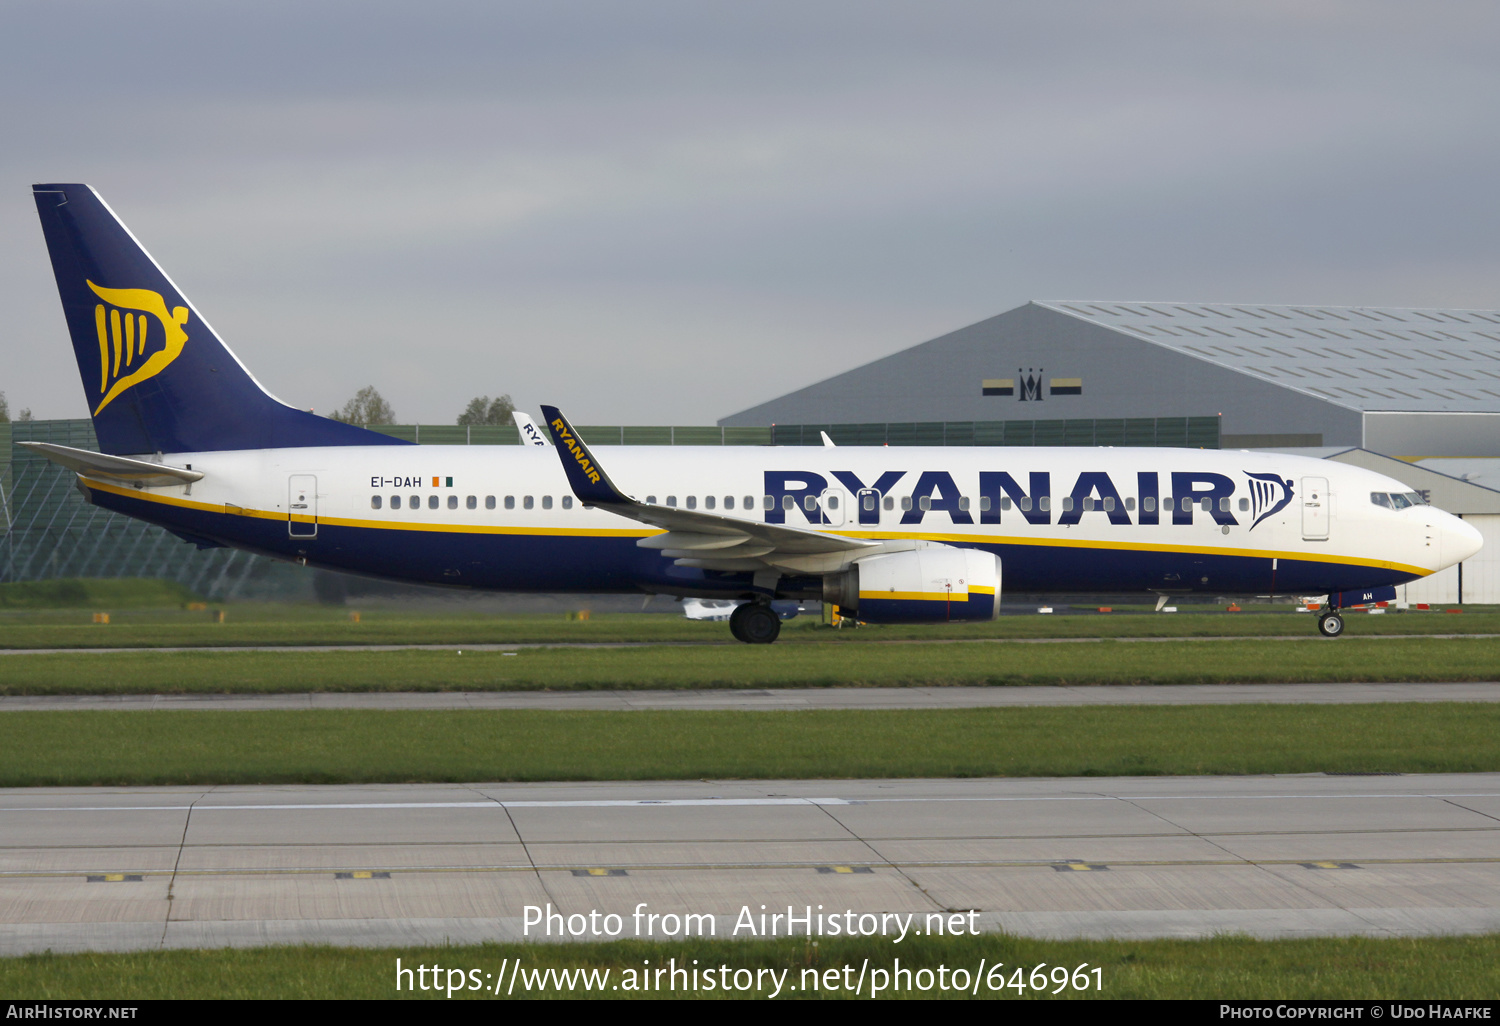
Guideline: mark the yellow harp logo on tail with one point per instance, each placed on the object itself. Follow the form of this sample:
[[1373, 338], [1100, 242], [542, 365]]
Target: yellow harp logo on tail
[[125, 337]]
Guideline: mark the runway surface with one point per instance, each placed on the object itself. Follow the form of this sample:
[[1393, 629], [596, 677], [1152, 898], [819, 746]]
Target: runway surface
[[123, 869], [783, 698]]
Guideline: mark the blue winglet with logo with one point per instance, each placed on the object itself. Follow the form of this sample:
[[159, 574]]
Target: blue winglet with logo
[[155, 375], [588, 480]]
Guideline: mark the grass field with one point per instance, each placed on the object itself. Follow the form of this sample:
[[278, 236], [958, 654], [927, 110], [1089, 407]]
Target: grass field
[[362, 746], [742, 666], [1220, 968], [255, 624]]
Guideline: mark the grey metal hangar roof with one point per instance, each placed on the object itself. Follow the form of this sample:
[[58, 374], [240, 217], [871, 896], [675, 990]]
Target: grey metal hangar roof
[[1365, 358], [1406, 381]]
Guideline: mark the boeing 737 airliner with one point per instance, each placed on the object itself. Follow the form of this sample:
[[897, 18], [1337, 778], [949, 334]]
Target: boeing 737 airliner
[[192, 442]]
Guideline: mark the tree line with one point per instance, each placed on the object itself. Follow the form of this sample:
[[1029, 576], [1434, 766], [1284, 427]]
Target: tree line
[[368, 408]]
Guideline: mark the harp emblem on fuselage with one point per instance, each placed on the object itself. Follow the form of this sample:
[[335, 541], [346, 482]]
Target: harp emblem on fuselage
[[138, 338], [1269, 495]]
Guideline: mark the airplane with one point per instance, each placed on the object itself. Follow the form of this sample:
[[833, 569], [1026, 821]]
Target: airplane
[[189, 440]]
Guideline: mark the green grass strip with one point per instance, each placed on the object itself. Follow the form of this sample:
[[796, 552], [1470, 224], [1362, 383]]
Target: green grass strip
[[743, 666], [321, 625], [1220, 968], [363, 746]]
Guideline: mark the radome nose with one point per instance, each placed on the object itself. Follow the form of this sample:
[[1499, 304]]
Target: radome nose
[[1460, 540]]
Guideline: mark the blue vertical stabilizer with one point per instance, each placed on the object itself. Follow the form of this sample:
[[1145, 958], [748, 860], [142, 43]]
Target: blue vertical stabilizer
[[156, 376]]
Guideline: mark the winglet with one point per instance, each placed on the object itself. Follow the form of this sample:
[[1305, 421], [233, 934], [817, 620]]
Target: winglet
[[588, 480], [530, 434]]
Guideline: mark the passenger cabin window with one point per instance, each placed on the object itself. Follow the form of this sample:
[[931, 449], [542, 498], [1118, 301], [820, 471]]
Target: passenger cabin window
[[672, 501], [963, 502], [1130, 503], [769, 502], [708, 502], [472, 502], [546, 502], [692, 502], [651, 500], [1043, 502], [1244, 505], [810, 502], [787, 503], [749, 502], [906, 502], [868, 501], [1067, 503], [395, 502], [510, 502], [453, 502], [1005, 503], [528, 502], [432, 502], [1109, 504], [833, 502], [1223, 504], [416, 502], [925, 502], [567, 502], [1149, 504], [890, 502], [374, 502], [984, 504], [729, 502]]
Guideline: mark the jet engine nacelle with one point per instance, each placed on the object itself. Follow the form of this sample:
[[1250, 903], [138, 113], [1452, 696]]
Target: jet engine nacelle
[[930, 585]]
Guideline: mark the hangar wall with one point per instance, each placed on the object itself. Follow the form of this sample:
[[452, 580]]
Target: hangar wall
[[1415, 435]]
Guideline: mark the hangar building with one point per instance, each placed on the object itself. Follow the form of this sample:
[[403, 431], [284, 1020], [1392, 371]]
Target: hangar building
[[1410, 383]]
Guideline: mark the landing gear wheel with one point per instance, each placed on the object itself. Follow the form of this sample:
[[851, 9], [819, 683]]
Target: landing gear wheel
[[755, 624], [1330, 625]]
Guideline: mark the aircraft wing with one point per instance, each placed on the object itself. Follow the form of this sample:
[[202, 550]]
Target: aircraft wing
[[113, 468], [696, 538]]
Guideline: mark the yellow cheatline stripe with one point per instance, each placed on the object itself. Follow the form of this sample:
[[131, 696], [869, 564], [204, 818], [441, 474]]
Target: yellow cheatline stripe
[[1125, 546], [915, 596], [646, 532], [981, 589], [242, 511]]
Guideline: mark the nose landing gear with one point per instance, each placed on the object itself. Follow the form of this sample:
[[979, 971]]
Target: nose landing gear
[[754, 623], [1330, 624]]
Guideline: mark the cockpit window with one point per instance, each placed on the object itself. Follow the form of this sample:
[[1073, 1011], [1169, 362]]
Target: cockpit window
[[1397, 500]]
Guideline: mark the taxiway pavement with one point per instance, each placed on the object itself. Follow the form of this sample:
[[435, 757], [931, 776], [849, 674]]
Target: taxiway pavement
[[784, 698]]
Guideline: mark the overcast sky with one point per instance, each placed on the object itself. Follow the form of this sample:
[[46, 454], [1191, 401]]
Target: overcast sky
[[656, 213]]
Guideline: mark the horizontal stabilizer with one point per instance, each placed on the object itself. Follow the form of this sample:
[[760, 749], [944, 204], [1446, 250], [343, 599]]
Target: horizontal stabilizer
[[114, 468]]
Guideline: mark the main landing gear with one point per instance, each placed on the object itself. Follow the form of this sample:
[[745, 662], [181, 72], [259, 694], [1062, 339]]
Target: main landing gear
[[1330, 624], [754, 623]]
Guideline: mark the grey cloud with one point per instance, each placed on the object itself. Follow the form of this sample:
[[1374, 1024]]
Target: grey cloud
[[661, 191]]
